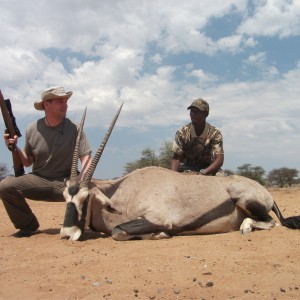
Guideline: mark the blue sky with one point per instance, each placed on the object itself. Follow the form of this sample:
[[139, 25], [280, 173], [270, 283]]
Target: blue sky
[[243, 57]]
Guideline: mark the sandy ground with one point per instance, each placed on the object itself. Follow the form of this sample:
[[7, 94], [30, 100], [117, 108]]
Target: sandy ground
[[261, 265]]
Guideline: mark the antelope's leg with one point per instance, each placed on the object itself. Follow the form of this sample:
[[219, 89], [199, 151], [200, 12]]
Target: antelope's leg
[[139, 229], [249, 224]]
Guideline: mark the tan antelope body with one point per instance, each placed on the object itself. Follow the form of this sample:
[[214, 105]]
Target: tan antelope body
[[155, 203], [179, 203]]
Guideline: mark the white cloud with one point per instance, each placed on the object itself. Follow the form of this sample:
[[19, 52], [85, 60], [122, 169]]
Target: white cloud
[[257, 58], [259, 61], [156, 58], [19, 64], [231, 43], [202, 76], [273, 17]]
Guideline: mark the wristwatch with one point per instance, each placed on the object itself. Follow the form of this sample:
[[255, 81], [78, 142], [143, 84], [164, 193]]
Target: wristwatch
[[203, 171]]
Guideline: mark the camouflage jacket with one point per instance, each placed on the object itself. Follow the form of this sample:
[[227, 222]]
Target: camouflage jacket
[[198, 151]]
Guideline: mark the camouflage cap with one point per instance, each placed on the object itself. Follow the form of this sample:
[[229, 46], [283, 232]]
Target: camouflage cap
[[200, 104]]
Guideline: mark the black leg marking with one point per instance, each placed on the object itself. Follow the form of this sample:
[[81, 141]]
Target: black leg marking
[[258, 212], [139, 227]]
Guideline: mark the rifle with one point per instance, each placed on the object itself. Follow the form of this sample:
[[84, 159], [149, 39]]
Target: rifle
[[12, 129]]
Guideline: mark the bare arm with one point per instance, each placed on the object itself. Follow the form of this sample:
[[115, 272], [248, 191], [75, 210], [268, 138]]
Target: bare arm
[[26, 160], [175, 162], [85, 163], [216, 165]]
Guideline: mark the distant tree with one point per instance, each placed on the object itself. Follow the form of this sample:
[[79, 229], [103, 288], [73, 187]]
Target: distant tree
[[291, 176], [297, 181], [3, 171], [228, 172], [131, 166], [256, 173], [149, 158], [282, 176], [166, 154], [244, 170]]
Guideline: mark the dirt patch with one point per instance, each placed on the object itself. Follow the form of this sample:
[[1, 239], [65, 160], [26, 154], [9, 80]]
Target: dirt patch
[[261, 265]]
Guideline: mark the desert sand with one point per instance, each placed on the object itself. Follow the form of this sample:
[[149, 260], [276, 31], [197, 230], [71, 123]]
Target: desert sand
[[261, 265]]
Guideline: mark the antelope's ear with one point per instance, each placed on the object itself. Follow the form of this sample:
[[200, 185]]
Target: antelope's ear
[[111, 209], [102, 199]]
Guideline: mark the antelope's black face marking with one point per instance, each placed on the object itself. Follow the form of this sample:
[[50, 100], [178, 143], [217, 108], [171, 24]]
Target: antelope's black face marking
[[73, 190], [83, 214], [71, 215]]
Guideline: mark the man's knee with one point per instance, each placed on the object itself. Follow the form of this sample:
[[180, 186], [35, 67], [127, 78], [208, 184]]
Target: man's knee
[[6, 184]]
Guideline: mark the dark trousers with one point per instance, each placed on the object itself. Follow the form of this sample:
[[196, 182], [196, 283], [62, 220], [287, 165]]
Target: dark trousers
[[14, 190]]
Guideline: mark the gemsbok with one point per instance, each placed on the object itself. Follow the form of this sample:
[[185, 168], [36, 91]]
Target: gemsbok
[[156, 203]]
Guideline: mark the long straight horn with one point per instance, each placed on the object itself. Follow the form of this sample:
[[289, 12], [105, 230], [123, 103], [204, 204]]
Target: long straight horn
[[88, 176], [74, 168]]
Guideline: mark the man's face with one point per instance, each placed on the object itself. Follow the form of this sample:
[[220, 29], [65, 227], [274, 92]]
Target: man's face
[[197, 116], [57, 106]]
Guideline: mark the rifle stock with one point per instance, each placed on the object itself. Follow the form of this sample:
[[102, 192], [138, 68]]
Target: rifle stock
[[12, 130]]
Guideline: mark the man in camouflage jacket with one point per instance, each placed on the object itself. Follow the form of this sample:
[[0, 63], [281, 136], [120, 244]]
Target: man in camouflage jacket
[[198, 146]]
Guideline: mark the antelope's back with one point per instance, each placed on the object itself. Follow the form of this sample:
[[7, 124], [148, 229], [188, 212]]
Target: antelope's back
[[162, 191]]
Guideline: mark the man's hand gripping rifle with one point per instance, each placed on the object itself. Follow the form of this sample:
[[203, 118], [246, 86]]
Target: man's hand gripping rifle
[[13, 130]]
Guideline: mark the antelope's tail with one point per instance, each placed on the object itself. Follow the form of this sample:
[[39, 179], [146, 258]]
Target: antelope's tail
[[290, 222]]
